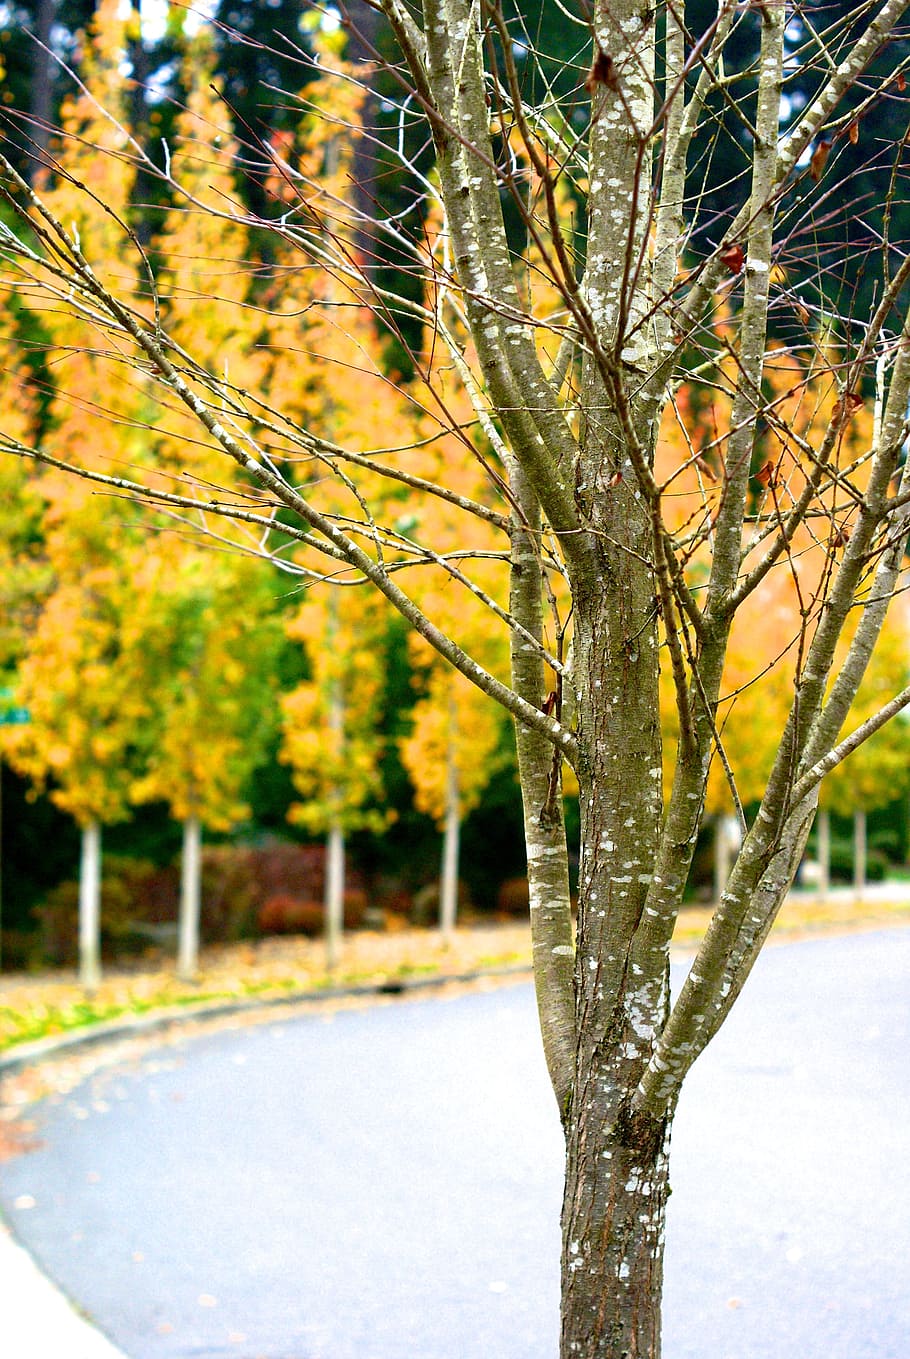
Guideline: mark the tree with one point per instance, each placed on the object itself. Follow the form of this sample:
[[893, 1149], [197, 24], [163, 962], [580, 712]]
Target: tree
[[451, 752], [331, 734], [204, 661], [450, 757], [578, 498], [87, 718], [877, 773]]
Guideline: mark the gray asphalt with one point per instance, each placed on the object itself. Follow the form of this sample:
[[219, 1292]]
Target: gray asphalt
[[385, 1184]]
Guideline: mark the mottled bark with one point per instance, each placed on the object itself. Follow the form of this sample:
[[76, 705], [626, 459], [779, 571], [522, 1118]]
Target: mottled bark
[[616, 1163], [614, 1215], [541, 791]]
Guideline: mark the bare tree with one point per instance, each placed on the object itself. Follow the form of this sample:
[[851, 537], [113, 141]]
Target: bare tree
[[593, 184]]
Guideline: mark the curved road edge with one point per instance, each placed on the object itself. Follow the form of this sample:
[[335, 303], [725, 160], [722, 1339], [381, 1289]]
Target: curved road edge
[[38, 1321]]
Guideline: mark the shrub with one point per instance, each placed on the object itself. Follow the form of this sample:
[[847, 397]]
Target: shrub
[[393, 897], [283, 867], [133, 892], [514, 897], [355, 907], [425, 905], [230, 894], [284, 913]]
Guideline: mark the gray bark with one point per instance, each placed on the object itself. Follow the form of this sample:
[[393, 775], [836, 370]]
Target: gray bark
[[542, 807], [42, 70]]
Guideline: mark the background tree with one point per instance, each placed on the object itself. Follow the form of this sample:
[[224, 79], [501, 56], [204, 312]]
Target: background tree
[[450, 757], [200, 644], [580, 499], [878, 772], [87, 720], [332, 739], [451, 751]]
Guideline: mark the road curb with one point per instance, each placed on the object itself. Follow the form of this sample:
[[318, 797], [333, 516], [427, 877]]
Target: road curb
[[24, 1055]]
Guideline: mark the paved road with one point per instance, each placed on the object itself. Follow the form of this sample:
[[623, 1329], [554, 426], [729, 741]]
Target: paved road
[[385, 1184]]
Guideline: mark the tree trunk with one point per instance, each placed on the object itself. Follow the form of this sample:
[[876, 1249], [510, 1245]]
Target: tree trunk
[[616, 1175], [42, 87], [90, 907], [824, 854], [722, 849], [859, 855], [448, 884], [614, 1214], [334, 895], [190, 896]]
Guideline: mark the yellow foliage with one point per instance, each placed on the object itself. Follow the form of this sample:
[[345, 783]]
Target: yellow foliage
[[454, 721], [331, 736]]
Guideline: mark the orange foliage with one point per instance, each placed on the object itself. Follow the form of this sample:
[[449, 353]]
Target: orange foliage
[[774, 624]]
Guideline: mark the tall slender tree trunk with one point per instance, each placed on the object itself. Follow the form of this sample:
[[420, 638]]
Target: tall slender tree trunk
[[334, 895], [859, 854], [334, 850], [722, 856], [42, 89], [448, 882], [824, 854], [90, 907], [190, 899]]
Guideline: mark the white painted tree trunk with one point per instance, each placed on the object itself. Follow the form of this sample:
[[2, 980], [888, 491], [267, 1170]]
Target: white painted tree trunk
[[859, 855], [190, 899], [722, 856], [334, 895], [824, 854], [448, 885], [90, 907]]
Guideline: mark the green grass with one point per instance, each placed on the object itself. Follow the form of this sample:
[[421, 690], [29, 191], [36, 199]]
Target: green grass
[[47, 1020]]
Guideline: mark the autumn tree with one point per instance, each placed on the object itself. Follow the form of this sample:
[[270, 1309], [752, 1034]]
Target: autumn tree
[[574, 490], [877, 773], [451, 751], [331, 734], [205, 663], [82, 740]]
